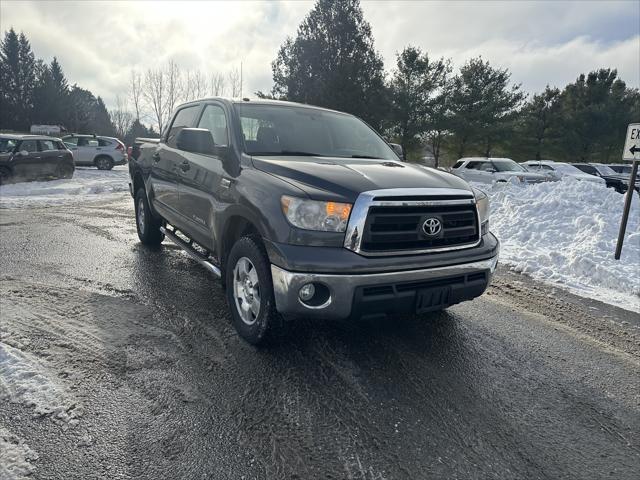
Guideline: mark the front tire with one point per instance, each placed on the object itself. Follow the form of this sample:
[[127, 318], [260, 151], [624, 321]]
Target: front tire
[[250, 293], [147, 225]]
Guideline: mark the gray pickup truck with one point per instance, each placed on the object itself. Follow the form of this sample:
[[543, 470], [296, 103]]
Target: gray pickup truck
[[308, 212]]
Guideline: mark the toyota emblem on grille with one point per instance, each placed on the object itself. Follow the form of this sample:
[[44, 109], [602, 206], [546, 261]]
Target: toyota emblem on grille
[[432, 226]]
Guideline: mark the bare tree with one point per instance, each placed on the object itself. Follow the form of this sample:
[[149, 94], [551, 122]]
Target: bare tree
[[135, 92], [175, 86], [235, 82], [217, 84], [195, 86], [121, 117], [155, 94]]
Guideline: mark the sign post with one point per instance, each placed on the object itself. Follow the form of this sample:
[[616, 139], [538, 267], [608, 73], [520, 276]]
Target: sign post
[[631, 152]]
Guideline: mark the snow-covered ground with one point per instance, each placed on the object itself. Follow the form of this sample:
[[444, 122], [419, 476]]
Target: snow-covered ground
[[86, 184], [15, 457], [565, 233]]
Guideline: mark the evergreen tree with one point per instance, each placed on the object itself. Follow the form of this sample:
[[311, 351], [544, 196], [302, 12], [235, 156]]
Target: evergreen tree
[[414, 85], [483, 105], [332, 62], [17, 81], [537, 129]]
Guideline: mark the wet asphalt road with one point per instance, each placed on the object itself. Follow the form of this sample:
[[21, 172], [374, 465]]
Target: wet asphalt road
[[524, 383]]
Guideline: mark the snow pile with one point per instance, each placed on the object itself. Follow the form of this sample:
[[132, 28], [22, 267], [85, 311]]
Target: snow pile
[[565, 233], [86, 184], [15, 457], [23, 379]]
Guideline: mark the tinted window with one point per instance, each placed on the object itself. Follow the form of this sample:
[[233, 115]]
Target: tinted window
[[286, 130], [185, 118], [60, 146], [507, 165], [458, 164], [7, 144], [214, 120], [103, 143], [72, 140], [46, 145], [475, 165], [29, 145]]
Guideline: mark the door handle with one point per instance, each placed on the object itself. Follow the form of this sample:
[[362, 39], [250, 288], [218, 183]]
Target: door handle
[[156, 157], [184, 166]]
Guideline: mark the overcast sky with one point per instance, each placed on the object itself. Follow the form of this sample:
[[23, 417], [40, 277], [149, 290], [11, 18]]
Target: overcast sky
[[540, 42]]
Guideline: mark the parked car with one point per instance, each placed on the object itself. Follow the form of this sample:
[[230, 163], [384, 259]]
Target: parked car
[[492, 170], [92, 150], [560, 170], [304, 211], [33, 157], [623, 169], [614, 180]]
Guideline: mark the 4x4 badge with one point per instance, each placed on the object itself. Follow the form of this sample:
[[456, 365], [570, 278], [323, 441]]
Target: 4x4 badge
[[432, 226]]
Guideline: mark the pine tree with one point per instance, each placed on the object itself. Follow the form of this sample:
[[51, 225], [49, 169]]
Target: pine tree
[[332, 62], [17, 81]]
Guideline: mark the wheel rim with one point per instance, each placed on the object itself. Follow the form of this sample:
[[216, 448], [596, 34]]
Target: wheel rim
[[246, 290], [103, 163], [141, 215]]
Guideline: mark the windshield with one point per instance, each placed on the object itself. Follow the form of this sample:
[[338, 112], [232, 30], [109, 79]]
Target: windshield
[[286, 130], [605, 170], [7, 145], [568, 169], [507, 165]]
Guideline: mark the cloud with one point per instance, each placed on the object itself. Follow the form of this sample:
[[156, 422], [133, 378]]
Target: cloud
[[98, 43]]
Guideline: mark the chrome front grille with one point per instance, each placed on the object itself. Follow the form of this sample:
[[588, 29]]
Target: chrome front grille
[[390, 222]]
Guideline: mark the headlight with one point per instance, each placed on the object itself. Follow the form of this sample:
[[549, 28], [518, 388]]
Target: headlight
[[482, 203], [314, 215]]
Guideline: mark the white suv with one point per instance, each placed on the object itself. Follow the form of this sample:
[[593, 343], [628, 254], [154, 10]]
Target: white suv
[[91, 150], [494, 170]]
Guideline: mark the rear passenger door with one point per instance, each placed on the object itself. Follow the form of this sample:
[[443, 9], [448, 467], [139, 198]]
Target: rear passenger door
[[166, 166], [50, 156], [202, 184]]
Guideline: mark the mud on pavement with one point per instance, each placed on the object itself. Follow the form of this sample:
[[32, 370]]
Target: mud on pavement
[[117, 361]]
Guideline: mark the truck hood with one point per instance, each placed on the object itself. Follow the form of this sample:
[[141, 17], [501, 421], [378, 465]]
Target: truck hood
[[327, 178]]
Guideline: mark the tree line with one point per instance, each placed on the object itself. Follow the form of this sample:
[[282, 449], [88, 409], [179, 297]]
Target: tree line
[[34, 92], [423, 103], [432, 110]]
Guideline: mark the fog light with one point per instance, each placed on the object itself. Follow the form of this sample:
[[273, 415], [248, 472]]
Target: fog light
[[307, 292]]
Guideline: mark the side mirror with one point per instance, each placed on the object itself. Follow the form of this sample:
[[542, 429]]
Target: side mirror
[[397, 148], [196, 140], [23, 153]]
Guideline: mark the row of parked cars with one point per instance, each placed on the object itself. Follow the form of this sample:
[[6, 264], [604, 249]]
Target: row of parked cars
[[36, 157], [505, 170]]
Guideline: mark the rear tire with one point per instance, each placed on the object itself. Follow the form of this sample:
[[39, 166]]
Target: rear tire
[[250, 293], [147, 225], [104, 163], [65, 171]]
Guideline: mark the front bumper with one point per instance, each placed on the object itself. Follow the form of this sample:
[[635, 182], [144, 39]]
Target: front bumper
[[381, 293]]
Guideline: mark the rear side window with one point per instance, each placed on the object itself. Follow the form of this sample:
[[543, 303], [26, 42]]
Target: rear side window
[[185, 118], [29, 145], [103, 143], [46, 145]]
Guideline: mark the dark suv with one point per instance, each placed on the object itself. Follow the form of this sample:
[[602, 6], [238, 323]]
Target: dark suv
[[33, 157], [308, 212], [615, 180]]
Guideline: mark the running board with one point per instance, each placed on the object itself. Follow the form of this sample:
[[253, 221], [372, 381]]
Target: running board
[[198, 257]]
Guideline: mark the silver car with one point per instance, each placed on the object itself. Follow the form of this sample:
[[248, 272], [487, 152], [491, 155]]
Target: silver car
[[98, 151], [494, 170], [560, 170]]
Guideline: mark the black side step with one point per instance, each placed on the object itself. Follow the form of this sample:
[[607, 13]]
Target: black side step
[[197, 256]]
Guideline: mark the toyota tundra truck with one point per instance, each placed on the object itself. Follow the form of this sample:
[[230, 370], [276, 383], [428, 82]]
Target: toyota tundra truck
[[308, 212]]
